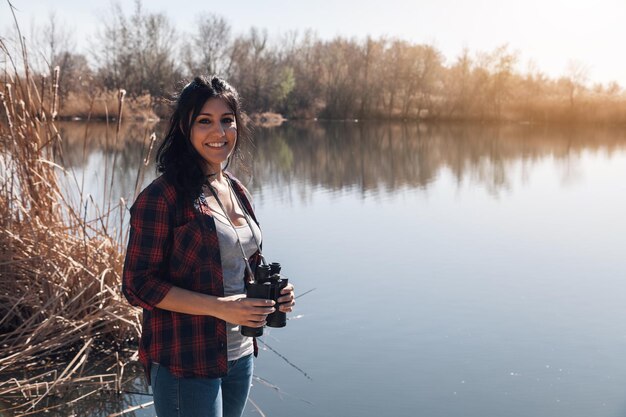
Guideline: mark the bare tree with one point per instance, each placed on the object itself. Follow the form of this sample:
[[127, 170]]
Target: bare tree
[[136, 53], [502, 65], [576, 77], [55, 47], [55, 38], [458, 98], [424, 68], [208, 50]]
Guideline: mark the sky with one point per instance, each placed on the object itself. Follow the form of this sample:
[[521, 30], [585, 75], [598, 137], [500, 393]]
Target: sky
[[550, 33]]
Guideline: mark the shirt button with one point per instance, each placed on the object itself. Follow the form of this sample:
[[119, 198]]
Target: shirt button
[[222, 345]]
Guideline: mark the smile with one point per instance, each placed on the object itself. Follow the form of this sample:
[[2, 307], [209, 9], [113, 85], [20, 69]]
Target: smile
[[216, 144]]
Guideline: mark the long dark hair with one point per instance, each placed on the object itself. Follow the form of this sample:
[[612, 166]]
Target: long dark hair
[[176, 157]]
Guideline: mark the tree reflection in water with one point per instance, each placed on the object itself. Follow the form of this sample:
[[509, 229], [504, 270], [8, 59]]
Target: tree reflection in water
[[375, 158], [384, 157]]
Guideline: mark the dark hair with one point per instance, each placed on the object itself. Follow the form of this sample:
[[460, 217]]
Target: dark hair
[[176, 157]]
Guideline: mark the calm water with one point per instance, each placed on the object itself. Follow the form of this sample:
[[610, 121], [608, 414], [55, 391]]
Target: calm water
[[458, 271]]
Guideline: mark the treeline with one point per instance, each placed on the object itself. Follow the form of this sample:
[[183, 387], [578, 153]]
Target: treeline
[[302, 76]]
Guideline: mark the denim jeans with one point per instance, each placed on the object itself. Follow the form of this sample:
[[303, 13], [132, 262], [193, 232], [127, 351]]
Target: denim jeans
[[202, 397]]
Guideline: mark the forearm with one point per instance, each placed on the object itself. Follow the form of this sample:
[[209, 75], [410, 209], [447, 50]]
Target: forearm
[[181, 300], [235, 309]]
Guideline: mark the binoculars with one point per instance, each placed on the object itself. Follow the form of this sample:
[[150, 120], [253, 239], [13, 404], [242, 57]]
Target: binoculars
[[267, 285]]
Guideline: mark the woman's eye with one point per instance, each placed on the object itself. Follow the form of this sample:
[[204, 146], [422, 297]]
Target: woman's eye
[[228, 120], [204, 121]]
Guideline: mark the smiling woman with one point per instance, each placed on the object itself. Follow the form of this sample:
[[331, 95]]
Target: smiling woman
[[207, 111], [194, 242], [214, 134]]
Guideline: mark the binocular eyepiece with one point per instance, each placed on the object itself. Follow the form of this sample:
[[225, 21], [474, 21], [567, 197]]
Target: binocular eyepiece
[[267, 285]]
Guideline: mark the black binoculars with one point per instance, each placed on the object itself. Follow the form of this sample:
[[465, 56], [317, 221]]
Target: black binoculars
[[267, 285]]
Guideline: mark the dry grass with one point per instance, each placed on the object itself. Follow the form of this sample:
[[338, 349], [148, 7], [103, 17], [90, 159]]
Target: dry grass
[[102, 105], [60, 265]]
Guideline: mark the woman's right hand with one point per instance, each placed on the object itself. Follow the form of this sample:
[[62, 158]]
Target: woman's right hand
[[250, 312]]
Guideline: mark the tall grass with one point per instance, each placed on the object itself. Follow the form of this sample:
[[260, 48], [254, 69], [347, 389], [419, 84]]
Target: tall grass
[[60, 265]]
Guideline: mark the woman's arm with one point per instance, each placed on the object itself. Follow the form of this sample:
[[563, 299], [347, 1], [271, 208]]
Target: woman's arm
[[236, 309], [150, 235]]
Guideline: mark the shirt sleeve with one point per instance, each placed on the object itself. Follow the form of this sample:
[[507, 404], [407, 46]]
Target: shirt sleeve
[[150, 235]]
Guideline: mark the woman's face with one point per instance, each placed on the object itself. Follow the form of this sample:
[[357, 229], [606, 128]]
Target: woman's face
[[214, 133]]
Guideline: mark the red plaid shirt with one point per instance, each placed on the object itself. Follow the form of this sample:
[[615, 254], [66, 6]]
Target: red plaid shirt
[[173, 243]]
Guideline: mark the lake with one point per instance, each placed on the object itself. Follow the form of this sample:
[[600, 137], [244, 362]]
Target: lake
[[457, 270]]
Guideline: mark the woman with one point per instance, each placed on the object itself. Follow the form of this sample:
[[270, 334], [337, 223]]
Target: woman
[[192, 233]]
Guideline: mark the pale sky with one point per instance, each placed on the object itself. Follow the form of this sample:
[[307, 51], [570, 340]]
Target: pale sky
[[549, 32]]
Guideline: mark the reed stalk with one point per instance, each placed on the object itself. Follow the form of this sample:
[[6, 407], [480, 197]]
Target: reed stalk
[[55, 91], [60, 266]]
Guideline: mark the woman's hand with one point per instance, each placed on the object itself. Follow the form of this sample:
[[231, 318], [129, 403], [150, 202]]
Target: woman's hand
[[250, 312], [287, 299]]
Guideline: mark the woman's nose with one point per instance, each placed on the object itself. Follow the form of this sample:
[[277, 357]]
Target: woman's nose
[[219, 129]]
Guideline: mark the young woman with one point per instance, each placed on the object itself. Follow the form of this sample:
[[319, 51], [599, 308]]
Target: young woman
[[192, 231]]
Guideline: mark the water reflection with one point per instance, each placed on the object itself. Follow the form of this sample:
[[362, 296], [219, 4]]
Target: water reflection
[[383, 157], [373, 158], [82, 136], [105, 166]]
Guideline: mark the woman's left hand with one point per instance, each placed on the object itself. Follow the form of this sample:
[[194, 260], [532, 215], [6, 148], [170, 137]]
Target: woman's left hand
[[287, 299]]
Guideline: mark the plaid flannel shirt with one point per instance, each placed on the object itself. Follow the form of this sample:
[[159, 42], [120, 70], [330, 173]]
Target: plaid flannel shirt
[[173, 243]]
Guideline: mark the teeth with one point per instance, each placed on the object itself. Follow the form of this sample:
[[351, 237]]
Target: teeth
[[216, 144]]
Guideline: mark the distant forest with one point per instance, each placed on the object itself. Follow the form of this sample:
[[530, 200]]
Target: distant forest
[[300, 75]]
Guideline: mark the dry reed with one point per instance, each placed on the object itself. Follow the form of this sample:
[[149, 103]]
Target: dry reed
[[60, 269], [96, 105]]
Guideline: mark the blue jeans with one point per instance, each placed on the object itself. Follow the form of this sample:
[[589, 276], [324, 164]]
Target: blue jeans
[[202, 397]]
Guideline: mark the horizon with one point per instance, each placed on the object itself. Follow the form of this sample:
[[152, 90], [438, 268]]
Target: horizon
[[562, 32]]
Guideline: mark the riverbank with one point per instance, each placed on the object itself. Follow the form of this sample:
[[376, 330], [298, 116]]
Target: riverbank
[[102, 106]]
